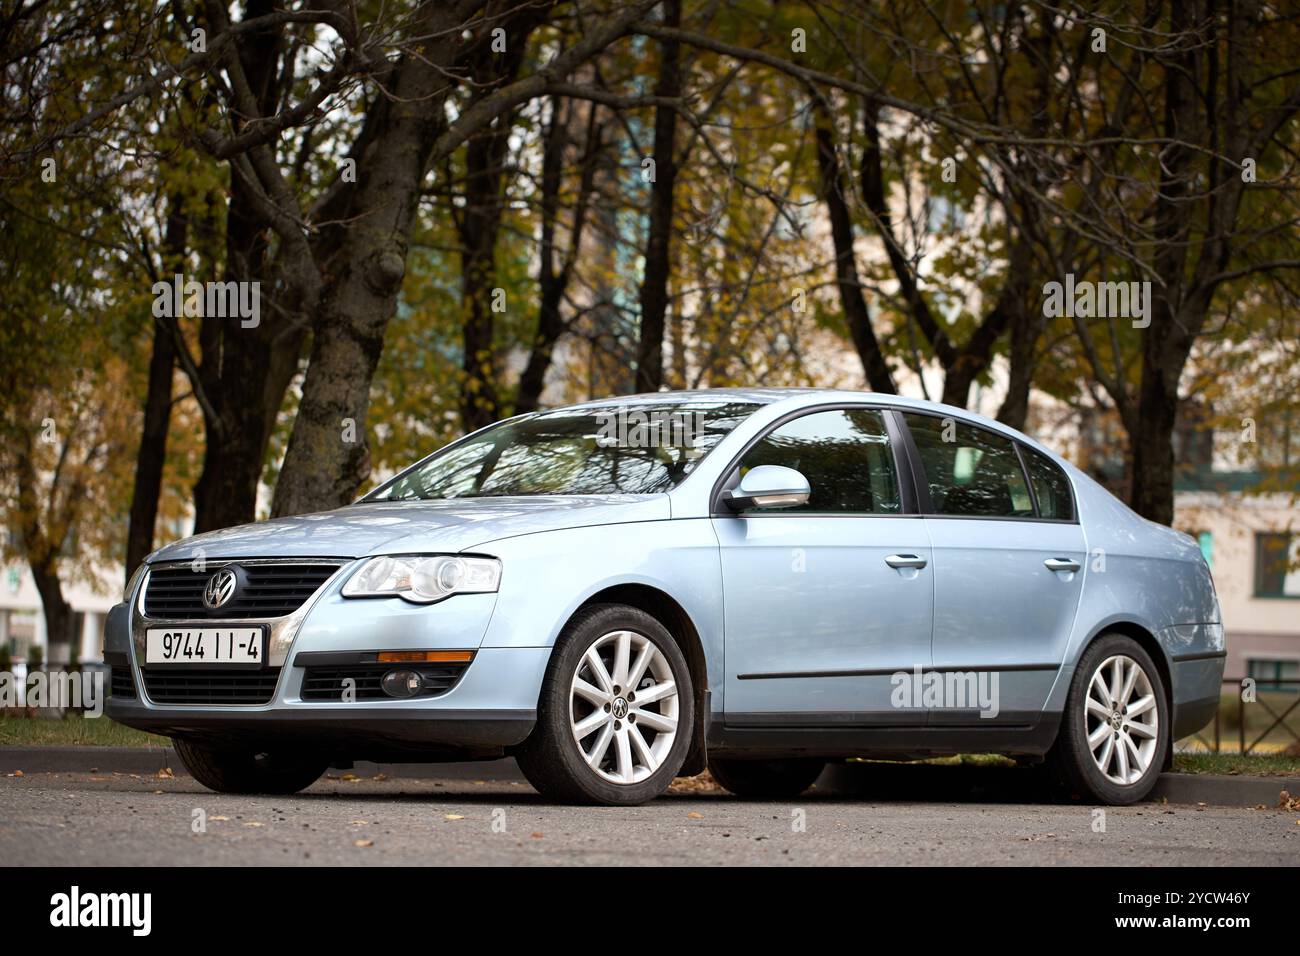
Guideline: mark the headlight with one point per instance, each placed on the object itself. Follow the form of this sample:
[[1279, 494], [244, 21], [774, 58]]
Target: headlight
[[424, 578], [135, 579]]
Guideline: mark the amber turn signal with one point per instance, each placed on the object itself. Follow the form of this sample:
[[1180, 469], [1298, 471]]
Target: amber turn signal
[[425, 657]]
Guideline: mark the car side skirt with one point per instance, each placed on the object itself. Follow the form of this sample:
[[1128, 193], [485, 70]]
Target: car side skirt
[[831, 735]]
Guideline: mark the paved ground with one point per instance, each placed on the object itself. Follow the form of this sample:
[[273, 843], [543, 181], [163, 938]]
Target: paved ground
[[99, 819]]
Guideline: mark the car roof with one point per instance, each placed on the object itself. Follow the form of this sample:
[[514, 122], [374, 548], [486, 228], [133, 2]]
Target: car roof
[[796, 398]]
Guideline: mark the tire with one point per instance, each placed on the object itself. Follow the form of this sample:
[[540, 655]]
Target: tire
[[1139, 739], [766, 779], [243, 770], [580, 750]]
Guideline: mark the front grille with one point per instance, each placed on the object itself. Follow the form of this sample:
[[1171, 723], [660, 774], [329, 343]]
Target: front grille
[[326, 683], [263, 591], [210, 685], [121, 683]]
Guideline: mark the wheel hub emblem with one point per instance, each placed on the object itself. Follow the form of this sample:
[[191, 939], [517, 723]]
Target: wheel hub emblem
[[220, 589], [618, 708]]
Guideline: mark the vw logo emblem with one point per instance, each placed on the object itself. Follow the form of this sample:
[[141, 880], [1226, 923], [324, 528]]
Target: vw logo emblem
[[220, 589], [619, 708]]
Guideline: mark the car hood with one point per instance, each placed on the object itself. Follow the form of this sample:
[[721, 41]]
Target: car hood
[[395, 527]]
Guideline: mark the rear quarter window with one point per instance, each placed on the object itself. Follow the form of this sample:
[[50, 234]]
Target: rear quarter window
[[1051, 486]]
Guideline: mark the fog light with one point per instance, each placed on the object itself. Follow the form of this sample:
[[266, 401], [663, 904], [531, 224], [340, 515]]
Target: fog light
[[402, 683]]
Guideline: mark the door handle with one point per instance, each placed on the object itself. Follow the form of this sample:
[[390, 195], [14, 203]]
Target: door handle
[[905, 561], [1061, 564]]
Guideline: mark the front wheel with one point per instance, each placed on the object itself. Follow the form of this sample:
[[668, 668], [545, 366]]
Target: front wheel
[[1114, 733], [227, 769], [616, 711]]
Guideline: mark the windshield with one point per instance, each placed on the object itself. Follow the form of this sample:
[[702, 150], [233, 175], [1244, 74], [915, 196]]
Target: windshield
[[616, 449]]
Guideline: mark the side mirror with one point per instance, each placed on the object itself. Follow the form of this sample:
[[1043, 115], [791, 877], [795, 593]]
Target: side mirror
[[768, 486]]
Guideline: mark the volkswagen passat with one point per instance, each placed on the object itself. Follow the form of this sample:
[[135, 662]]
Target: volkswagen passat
[[754, 580]]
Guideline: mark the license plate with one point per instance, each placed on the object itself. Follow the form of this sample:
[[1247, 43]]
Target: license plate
[[205, 646]]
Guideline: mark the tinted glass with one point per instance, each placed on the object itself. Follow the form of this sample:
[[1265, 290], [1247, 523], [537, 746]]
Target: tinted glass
[[845, 456], [970, 471], [1051, 487], [624, 449]]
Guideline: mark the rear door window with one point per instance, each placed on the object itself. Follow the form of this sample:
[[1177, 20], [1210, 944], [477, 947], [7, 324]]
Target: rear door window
[[970, 471]]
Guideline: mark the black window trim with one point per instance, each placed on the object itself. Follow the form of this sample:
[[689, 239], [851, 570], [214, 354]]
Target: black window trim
[[894, 430], [923, 483]]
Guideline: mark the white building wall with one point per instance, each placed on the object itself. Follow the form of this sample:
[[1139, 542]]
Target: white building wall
[[22, 620]]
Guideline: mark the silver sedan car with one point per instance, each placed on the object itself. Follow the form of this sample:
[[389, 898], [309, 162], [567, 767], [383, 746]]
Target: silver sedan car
[[757, 581]]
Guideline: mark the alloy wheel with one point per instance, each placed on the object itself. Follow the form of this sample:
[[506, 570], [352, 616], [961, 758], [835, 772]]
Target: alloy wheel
[[1121, 719], [623, 708]]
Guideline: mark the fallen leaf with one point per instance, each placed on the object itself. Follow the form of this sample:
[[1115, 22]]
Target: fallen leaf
[[360, 823], [165, 773], [453, 816], [350, 777], [537, 836], [222, 819], [254, 824], [380, 776], [363, 843], [694, 816]]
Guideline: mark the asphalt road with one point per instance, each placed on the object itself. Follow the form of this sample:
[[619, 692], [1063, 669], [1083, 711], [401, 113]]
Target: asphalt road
[[101, 819]]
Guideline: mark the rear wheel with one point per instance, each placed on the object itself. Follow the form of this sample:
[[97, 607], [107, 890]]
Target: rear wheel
[[227, 769], [766, 778], [1115, 731], [615, 714]]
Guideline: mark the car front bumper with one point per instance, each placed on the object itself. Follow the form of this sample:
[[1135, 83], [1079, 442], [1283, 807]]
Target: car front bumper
[[491, 706]]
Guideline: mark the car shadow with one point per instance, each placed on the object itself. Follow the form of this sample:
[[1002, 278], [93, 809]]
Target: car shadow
[[855, 782]]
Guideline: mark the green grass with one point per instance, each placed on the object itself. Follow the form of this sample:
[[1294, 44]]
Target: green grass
[[1267, 765], [72, 731]]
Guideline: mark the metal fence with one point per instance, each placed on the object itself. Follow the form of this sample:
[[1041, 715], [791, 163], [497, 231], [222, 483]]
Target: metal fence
[[1274, 707]]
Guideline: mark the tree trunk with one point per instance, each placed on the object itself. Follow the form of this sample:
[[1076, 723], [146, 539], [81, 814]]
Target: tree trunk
[[552, 282], [479, 227], [1026, 327], [244, 372], [1167, 341], [152, 455], [328, 456], [366, 266], [658, 253], [58, 613], [549, 329], [1152, 444], [852, 301]]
